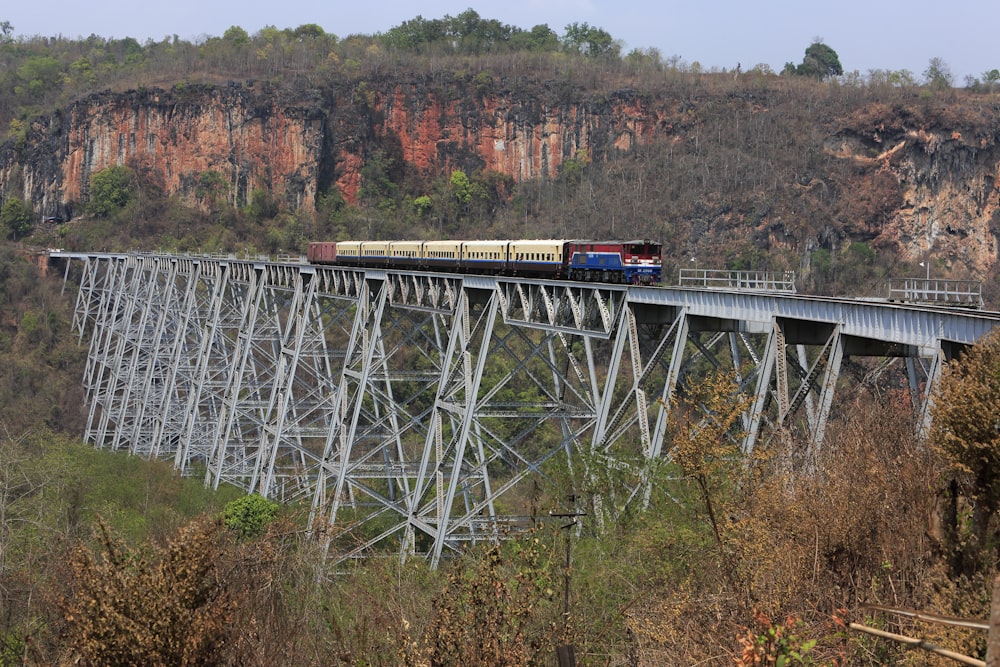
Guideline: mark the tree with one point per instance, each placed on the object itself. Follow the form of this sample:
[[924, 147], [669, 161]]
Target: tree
[[423, 205], [16, 217], [211, 190], [110, 190], [702, 428], [262, 206], [415, 33], [938, 74], [819, 62], [236, 35], [539, 38], [966, 427], [590, 41], [379, 177], [476, 34], [39, 75], [308, 31], [498, 601]]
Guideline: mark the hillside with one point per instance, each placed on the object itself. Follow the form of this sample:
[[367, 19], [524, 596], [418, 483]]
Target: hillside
[[846, 182], [263, 142]]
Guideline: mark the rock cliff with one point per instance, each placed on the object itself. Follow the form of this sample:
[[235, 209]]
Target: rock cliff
[[946, 162], [922, 182], [254, 140], [294, 147]]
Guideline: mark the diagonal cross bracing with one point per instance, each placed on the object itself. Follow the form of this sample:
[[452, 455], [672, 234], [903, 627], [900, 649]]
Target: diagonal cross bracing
[[417, 412]]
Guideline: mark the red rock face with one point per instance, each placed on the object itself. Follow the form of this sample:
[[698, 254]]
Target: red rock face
[[524, 139], [255, 139], [249, 145], [917, 189]]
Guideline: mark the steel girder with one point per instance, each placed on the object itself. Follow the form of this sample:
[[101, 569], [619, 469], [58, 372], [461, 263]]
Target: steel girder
[[417, 412]]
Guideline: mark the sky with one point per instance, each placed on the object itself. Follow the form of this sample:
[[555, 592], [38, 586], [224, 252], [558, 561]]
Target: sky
[[866, 34]]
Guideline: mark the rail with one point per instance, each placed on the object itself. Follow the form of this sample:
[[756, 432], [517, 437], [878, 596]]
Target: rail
[[992, 627], [769, 281], [965, 293]]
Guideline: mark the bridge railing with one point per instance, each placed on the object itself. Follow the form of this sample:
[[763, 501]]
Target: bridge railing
[[770, 281], [965, 293]]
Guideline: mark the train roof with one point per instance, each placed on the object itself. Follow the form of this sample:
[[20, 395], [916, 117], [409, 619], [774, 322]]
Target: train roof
[[612, 241]]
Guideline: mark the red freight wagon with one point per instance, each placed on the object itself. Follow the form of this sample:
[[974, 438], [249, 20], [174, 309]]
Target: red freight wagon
[[322, 252]]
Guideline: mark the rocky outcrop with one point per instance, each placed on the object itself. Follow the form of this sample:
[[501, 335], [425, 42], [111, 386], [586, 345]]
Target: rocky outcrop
[[946, 165], [254, 140], [258, 138]]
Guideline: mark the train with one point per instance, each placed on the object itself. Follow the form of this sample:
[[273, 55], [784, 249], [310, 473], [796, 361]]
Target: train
[[636, 262]]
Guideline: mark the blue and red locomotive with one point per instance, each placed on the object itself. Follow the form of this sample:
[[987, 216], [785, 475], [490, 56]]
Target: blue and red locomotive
[[625, 262]]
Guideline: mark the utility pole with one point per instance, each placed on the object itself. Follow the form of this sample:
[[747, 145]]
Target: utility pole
[[564, 652]]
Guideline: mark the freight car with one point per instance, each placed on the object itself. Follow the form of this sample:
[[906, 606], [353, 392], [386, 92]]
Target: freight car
[[629, 262]]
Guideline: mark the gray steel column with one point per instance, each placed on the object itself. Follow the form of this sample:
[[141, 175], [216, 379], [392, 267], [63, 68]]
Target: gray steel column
[[202, 366], [169, 419], [222, 442], [279, 408], [463, 394], [764, 370], [338, 452], [829, 386], [153, 287]]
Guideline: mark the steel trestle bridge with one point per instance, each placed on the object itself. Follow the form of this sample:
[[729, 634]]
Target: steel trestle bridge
[[416, 411]]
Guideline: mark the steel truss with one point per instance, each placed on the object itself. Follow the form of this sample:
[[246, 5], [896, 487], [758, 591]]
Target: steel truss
[[416, 412]]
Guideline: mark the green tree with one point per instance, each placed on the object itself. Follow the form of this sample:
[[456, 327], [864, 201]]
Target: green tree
[[82, 71], [467, 193], [423, 205], [211, 190], [819, 62], [39, 75], [590, 41], [539, 38], [309, 31], [938, 74], [236, 35], [415, 33], [16, 217], [476, 35], [262, 206], [379, 177], [111, 190]]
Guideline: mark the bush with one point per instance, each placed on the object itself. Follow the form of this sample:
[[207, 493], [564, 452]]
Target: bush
[[248, 516], [111, 190]]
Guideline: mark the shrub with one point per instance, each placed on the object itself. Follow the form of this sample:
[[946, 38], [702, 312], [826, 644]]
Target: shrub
[[248, 516]]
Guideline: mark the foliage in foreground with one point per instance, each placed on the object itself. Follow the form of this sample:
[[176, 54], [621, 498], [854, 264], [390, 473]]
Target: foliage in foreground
[[660, 587], [966, 432]]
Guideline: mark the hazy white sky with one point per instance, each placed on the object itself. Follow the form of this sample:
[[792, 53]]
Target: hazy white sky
[[866, 34]]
